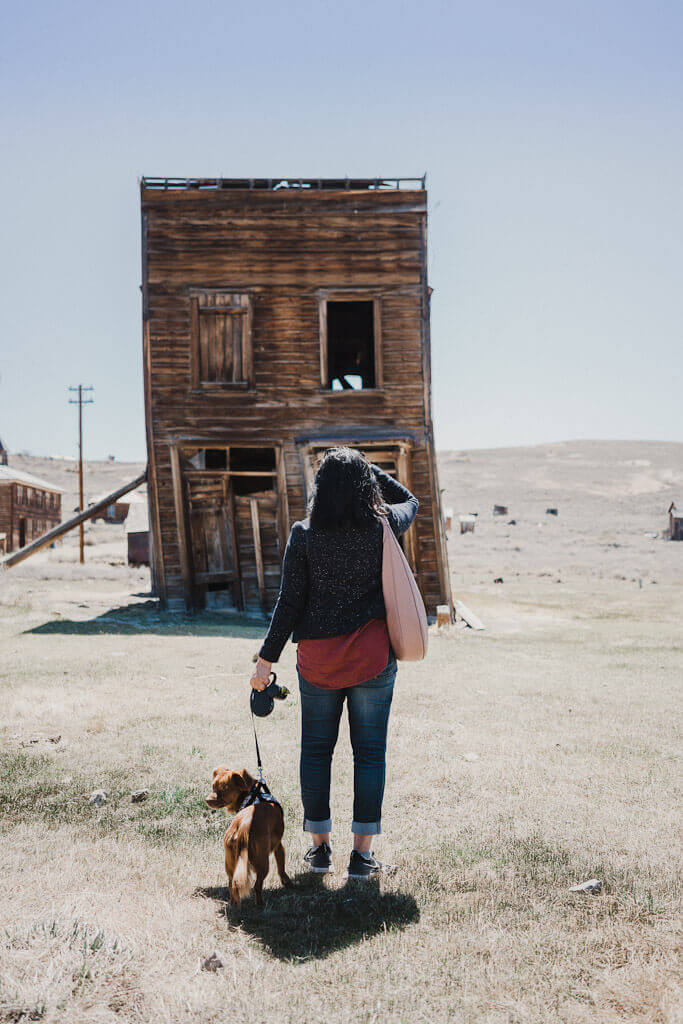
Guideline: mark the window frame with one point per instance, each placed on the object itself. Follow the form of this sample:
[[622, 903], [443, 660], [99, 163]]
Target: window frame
[[242, 299], [326, 295]]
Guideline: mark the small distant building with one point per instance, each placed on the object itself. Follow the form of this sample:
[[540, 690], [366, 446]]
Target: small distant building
[[116, 513], [675, 522], [29, 507], [467, 523], [3, 454]]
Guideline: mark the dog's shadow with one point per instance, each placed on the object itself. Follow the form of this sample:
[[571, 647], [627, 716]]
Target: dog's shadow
[[312, 920]]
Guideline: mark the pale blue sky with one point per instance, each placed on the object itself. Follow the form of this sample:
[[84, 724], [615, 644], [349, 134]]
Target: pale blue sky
[[551, 134]]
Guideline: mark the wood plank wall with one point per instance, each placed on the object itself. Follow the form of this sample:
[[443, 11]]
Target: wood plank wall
[[6, 512], [281, 248], [38, 517]]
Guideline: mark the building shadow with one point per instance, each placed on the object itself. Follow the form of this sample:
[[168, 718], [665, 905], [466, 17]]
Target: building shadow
[[310, 920], [147, 617]]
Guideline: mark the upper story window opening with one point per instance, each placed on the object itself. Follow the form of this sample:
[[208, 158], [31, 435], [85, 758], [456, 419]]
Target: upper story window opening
[[350, 341]]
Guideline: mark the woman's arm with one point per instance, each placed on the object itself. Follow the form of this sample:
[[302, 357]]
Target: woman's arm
[[402, 504], [292, 597]]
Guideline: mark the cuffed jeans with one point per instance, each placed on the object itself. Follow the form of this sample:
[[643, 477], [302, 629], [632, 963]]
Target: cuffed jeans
[[369, 705]]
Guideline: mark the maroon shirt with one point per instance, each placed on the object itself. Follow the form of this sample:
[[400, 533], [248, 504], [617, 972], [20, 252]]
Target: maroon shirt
[[338, 661]]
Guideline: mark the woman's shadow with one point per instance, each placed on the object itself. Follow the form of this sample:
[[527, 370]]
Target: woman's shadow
[[311, 920]]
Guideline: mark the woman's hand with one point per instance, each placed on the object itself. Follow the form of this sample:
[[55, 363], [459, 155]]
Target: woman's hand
[[261, 675]]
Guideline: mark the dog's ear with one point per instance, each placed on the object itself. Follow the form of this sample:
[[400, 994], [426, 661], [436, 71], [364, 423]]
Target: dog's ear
[[246, 778]]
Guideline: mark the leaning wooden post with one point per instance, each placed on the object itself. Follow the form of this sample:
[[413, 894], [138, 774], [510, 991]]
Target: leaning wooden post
[[258, 553]]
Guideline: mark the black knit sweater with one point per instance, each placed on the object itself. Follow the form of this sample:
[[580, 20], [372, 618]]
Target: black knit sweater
[[332, 579]]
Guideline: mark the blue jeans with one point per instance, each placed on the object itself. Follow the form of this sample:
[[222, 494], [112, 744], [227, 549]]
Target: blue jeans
[[369, 705]]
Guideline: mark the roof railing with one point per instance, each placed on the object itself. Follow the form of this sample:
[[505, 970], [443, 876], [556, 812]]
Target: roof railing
[[278, 184]]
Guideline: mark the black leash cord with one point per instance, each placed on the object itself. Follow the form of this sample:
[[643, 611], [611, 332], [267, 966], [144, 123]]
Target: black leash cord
[[258, 752]]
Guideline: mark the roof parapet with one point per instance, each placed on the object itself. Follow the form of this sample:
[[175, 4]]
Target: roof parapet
[[278, 184]]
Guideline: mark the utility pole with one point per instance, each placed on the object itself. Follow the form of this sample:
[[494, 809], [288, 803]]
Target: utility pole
[[80, 402]]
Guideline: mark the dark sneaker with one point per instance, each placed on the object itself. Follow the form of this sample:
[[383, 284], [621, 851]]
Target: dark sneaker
[[363, 865], [319, 859]]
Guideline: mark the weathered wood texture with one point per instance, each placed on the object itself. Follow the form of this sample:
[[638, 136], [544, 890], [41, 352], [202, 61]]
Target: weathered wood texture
[[27, 512], [274, 254]]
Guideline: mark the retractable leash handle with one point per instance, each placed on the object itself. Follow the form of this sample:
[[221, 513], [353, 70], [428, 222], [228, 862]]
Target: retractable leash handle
[[261, 703]]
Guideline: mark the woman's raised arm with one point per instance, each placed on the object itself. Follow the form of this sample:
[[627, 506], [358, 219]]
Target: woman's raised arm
[[402, 504]]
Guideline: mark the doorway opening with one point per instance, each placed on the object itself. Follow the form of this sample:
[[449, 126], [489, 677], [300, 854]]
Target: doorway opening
[[391, 456], [236, 518]]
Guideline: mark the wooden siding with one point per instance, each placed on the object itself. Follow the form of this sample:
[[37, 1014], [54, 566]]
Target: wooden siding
[[6, 513], [39, 508], [284, 249]]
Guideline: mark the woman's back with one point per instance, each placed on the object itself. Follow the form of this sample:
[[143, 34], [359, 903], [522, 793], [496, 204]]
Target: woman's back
[[332, 575], [344, 585]]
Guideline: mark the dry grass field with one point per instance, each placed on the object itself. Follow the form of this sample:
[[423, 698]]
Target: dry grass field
[[523, 759]]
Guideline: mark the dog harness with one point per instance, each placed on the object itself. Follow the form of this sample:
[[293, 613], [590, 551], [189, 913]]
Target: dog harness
[[259, 793]]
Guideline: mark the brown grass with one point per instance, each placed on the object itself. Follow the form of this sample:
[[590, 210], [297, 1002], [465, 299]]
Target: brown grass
[[575, 776], [569, 701]]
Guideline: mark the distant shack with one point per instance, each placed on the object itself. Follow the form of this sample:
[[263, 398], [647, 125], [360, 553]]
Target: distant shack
[[29, 507], [114, 513], [675, 522], [467, 523]]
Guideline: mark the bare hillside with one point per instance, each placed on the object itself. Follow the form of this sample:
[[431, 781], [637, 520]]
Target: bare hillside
[[611, 498]]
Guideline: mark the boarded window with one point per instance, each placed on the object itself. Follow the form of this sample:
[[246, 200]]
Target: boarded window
[[221, 339], [350, 342]]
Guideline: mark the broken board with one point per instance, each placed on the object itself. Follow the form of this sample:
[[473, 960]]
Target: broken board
[[467, 616]]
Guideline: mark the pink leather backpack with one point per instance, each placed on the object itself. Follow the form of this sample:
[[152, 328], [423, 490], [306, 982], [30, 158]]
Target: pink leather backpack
[[406, 615]]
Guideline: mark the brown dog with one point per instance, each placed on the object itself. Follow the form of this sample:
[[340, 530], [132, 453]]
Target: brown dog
[[255, 832]]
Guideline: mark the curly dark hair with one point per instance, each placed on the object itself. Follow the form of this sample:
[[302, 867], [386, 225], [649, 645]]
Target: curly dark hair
[[346, 491]]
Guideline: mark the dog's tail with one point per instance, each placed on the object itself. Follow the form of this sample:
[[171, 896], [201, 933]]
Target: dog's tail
[[241, 884]]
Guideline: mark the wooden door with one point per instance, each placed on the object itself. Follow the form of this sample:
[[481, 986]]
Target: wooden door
[[212, 538]]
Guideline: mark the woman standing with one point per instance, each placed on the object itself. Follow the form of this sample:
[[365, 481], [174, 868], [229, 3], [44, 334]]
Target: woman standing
[[331, 601]]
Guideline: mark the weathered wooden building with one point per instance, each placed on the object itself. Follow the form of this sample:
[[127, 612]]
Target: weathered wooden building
[[117, 512], [29, 507], [280, 318]]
